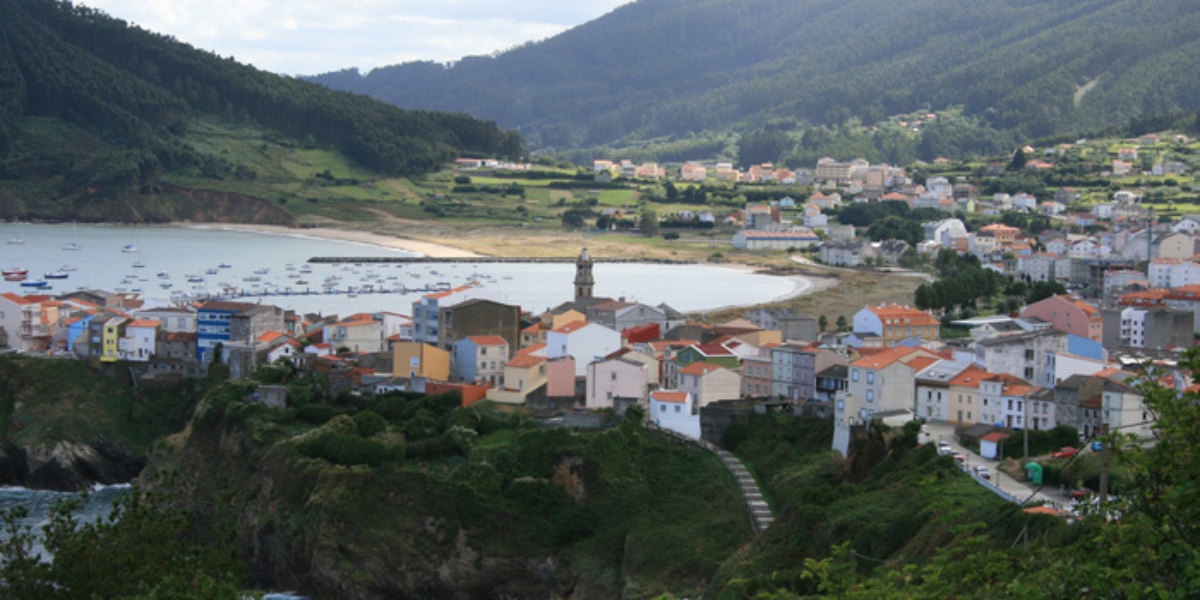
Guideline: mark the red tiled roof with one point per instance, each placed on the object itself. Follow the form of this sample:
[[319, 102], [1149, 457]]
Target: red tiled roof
[[488, 340], [700, 368], [880, 360], [144, 323], [919, 363], [450, 292], [571, 327], [970, 377], [525, 361], [666, 396], [713, 350]]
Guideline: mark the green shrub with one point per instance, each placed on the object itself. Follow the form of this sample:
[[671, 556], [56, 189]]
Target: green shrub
[[316, 414], [369, 423], [349, 450]]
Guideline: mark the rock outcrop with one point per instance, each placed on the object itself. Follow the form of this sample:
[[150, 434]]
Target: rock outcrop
[[67, 466]]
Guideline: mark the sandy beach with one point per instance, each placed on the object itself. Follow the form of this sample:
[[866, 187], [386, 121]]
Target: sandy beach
[[345, 235]]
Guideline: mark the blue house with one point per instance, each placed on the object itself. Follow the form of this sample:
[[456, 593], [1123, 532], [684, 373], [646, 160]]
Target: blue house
[[77, 329], [214, 325], [480, 358]]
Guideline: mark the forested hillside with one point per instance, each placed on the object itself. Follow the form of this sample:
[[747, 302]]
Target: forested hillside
[[127, 97], [1018, 68]]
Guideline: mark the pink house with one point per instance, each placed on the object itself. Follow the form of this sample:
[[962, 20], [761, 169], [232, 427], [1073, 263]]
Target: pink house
[[1068, 314], [613, 378]]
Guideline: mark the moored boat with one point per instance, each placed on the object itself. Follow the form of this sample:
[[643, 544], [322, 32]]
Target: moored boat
[[55, 275], [34, 283]]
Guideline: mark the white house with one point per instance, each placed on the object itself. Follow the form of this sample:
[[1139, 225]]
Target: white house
[[1002, 400], [138, 343], [1188, 225], [675, 410], [584, 341], [932, 390]]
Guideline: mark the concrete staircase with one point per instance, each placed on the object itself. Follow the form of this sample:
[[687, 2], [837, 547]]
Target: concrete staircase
[[760, 512]]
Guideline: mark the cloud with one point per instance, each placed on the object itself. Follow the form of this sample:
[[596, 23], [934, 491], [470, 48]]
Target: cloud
[[309, 37]]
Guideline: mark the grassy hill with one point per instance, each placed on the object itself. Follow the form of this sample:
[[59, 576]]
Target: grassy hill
[[670, 69], [97, 115]]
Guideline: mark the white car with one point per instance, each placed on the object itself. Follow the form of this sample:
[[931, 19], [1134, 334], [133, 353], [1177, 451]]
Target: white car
[[983, 472], [944, 448]]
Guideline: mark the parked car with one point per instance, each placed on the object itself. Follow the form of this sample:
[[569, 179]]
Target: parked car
[[1065, 452], [944, 448], [983, 472], [1080, 493]]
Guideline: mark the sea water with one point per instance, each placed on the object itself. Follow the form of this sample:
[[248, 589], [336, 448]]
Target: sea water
[[265, 266], [38, 504]]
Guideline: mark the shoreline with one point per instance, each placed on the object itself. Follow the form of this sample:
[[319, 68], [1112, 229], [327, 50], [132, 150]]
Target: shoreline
[[427, 249], [802, 285]]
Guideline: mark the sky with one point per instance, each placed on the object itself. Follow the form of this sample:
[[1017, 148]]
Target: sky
[[309, 37]]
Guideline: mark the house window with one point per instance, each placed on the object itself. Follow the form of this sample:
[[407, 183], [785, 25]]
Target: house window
[[1029, 373], [870, 395], [870, 376], [854, 375], [677, 408], [1028, 354], [613, 376], [662, 408]]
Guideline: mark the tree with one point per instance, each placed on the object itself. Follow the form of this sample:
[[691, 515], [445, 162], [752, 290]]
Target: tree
[[573, 218], [822, 323], [1041, 290], [648, 222], [841, 322]]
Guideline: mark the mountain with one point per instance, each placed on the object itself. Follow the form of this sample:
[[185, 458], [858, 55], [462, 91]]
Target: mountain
[[93, 106], [656, 68]]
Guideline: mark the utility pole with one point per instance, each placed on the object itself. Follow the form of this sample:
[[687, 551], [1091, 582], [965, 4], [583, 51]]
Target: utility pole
[[1104, 449], [1025, 430]]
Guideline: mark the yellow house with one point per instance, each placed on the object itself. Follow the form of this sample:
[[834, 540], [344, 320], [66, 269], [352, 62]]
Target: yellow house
[[552, 321], [110, 340], [416, 359]]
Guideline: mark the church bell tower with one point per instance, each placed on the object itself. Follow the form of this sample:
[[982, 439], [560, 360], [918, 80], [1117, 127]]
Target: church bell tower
[[583, 275]]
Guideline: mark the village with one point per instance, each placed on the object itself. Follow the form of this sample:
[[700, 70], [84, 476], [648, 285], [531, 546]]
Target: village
[[1074, 359]]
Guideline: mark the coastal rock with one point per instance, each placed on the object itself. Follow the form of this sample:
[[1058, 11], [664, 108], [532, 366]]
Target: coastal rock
[[67, 466]]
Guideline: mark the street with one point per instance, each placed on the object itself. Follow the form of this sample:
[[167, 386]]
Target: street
[[1019, 491]]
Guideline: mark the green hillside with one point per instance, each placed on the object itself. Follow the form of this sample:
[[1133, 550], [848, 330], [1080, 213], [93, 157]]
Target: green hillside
[[96, 114], [671, 68]]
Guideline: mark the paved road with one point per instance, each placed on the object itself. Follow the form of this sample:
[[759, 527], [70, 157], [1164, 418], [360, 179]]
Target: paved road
[[1019, 490]]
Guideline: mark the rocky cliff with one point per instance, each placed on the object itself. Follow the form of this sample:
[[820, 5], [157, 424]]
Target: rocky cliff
[[581, 522]]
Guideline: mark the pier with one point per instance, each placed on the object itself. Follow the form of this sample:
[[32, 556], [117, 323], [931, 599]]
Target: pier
[[487, 259]]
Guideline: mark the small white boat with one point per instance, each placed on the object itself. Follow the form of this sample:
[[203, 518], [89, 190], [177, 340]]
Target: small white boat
[[164, 275], [55, 275], [129, 248], [138, 264], [67, 269], [72, 246], [195, 279]]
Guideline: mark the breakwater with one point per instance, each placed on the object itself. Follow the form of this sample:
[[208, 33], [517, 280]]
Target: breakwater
[[487, 259]]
